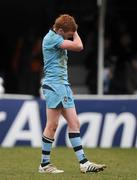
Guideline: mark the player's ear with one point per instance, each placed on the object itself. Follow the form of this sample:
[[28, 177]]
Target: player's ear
[[60, 31]]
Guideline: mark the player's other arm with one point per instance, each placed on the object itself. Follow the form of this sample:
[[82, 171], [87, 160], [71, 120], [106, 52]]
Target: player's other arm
[[74, 45]]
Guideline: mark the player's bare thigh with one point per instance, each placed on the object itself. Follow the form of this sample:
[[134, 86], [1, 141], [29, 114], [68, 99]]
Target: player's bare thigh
[[72, 119], [53, 114]]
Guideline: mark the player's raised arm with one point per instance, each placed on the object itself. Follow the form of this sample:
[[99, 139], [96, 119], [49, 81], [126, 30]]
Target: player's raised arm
[[74, 45]]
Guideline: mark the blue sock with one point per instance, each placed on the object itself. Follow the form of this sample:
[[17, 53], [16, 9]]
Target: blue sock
[[46, 149], [77, 146]]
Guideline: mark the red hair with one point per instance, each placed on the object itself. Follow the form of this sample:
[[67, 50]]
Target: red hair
[[65, 22]]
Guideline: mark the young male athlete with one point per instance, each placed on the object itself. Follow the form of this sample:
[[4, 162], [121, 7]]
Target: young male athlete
[[58, 94]]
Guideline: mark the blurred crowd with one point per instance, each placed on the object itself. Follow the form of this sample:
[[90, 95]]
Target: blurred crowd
[[21, 59], [22, 74], [120, 50], [120, 63]]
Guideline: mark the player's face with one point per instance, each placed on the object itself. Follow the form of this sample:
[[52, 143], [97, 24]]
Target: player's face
[[68, 35]]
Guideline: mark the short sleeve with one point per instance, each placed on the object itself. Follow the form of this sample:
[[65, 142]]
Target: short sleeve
[[52, 40], [59, 40]]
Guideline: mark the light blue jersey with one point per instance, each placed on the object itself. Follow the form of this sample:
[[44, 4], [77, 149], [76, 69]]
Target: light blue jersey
[[55, 59], [55, 84]]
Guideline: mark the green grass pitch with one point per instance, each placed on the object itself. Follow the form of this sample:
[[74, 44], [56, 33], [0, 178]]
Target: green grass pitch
[[21, 163]]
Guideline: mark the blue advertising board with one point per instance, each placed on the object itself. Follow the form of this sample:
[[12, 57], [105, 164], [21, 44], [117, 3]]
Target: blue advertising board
[[104, 123]]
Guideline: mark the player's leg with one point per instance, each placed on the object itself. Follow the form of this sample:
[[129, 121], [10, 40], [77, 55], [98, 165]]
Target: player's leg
[[52, 122], [74, 135], [47, 140]]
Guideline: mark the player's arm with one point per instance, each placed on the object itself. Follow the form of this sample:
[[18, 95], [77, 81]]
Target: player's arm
[[74, 45]]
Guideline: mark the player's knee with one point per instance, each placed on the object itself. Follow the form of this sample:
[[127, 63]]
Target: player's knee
[[74, 125], [52, 127]]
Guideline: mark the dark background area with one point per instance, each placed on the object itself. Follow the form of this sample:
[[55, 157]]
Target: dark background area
[[23, 24]]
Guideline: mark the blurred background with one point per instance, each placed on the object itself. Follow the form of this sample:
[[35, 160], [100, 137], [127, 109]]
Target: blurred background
[[23, 25]]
